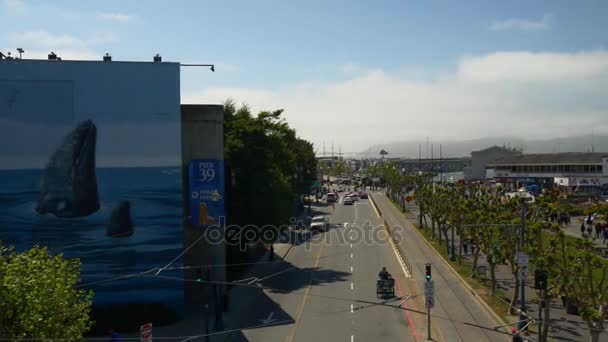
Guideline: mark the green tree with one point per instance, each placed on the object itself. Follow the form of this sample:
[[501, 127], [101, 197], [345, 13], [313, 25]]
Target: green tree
[[591, 292], [38, 297], [269, 168]]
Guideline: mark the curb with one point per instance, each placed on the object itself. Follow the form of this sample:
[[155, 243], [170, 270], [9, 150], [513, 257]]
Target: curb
[[407, 267], [287, 252]]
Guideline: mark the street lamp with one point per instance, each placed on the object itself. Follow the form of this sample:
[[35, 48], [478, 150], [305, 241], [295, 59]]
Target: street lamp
[[522, 194], [419, 204]]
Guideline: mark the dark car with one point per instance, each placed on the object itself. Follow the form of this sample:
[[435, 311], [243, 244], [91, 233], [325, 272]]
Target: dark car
[[362, 194]]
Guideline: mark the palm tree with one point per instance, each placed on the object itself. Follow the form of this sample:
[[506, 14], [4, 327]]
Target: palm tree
[[383, 153]]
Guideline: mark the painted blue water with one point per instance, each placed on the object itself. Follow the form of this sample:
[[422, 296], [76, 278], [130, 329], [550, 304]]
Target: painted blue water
[[156, 209]]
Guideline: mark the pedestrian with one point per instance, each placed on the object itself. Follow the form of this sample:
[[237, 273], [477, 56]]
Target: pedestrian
[[115, 336], [583, 229], [605, 235], [465, 246], [589, 229], [598, 227]]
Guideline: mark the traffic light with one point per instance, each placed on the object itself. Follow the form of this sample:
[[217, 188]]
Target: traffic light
[[428, 272], [540, 279]]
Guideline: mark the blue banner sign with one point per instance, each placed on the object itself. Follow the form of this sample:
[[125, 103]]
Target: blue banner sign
[[207, 192]]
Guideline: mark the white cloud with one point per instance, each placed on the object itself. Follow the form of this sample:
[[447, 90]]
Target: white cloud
[[65, 53], [351, 68], [115, 16], [37, 44], [527, 66], [505, 93], [14, 4], [543, 23], [43, 38]]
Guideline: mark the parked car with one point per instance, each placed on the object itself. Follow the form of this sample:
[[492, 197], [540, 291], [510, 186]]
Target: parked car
[[348, 200], [324, 219]]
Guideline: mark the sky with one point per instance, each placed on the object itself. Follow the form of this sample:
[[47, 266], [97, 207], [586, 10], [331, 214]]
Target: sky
[[356, 73]]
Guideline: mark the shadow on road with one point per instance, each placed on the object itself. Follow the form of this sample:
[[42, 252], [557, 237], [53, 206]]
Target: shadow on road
[[250, 304]]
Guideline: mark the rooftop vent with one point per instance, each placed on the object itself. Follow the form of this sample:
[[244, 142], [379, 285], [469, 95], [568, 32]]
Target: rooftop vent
[[158, 58], [107, 57], [53, 57]]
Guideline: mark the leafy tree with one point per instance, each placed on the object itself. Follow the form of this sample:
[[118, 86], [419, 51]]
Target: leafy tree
[[269, 168], [591, 293], [383, 153], [38, 298]]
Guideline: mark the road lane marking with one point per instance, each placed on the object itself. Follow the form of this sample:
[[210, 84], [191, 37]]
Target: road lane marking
[[397, 252], [351, 245], [351, 269], [352, 338], [375, 209], [351, 255], [304, 299], [352, 286], [406, 312], [352, 308]]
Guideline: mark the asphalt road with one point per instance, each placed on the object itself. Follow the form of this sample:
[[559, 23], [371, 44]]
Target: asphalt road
[[326, 288], [458, 314]]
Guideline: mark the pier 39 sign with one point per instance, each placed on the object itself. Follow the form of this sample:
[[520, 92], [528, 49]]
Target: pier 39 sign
[[207, 192]]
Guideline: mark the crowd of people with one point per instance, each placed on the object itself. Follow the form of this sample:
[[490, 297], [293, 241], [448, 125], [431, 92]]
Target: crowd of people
[[592, 225]]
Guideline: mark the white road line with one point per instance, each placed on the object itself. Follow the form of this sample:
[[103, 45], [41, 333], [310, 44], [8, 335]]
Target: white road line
[[351, 245], [352, 308], [352, 338], [351, 255], [352, 286], [351, 269]]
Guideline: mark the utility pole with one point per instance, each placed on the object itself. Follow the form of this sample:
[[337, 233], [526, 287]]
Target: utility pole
[[441, 163], [429, 299], [522, 263], [432, 169], [420, 157]]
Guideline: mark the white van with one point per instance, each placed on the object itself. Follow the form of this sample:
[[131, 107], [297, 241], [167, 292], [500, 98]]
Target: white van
[[331, 197]]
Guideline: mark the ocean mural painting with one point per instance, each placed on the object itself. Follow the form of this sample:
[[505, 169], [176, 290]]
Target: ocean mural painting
[[83, 183]]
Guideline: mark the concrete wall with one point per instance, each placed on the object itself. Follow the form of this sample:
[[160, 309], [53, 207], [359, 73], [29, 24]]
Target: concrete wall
[[479, 160], [202, 135]]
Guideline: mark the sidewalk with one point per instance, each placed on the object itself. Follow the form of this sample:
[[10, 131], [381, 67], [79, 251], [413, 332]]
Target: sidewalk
[[574, 229], [564, 327]]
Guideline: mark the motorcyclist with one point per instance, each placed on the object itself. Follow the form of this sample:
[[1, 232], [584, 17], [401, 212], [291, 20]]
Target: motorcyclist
[[384, 274]]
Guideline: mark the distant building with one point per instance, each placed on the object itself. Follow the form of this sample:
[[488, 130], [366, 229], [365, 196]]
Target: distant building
[[571, 171], [480, 159]]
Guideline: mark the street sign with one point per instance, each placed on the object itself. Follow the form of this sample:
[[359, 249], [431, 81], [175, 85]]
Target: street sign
[[429, 302], [429, 288], [523, 273], [523, 259], [145, 332], [429, 293], [207, 192]]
